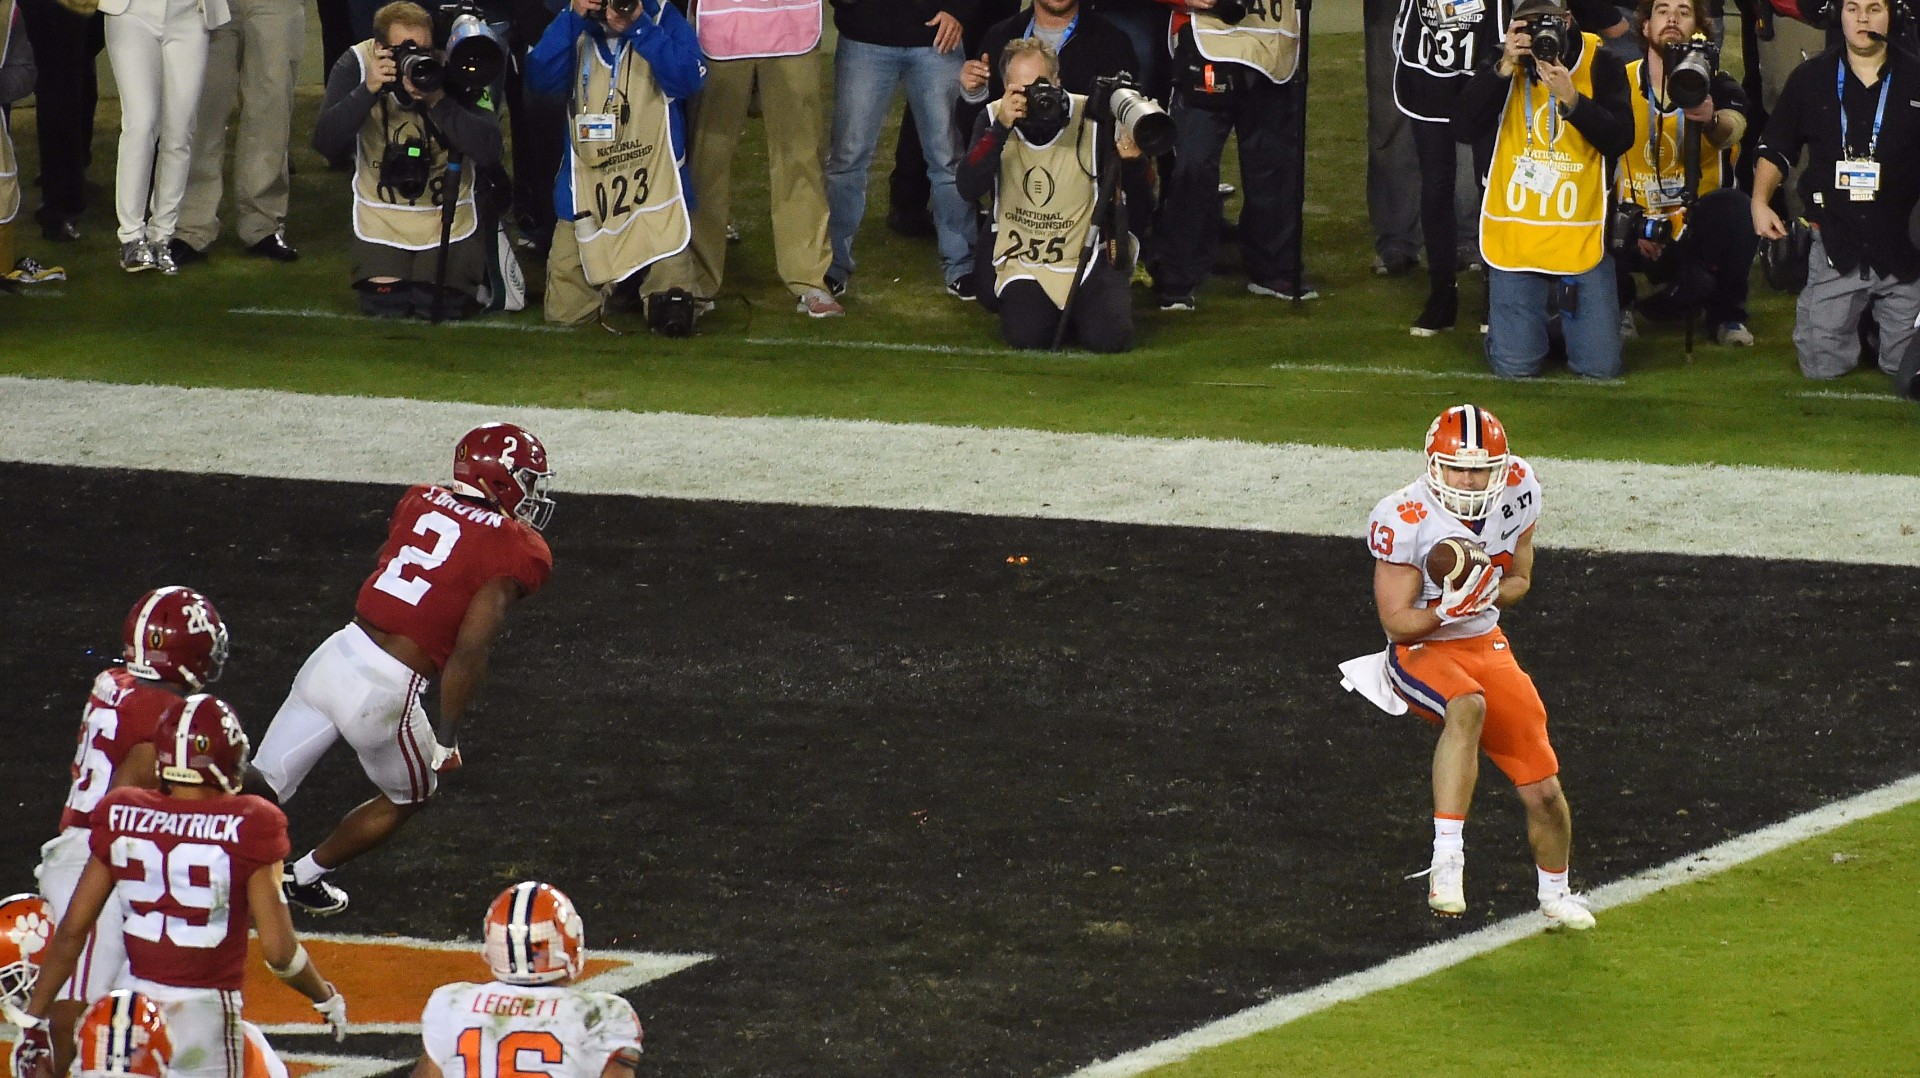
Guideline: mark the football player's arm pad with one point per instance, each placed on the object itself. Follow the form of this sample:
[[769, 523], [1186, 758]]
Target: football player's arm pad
[[294, 965]]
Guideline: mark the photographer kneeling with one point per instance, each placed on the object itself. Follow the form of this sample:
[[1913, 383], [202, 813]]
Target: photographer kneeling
[[1680, 219], [385, 107], [1037, 149]]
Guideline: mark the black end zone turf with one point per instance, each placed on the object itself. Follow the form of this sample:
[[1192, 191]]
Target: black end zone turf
[[938, 813]]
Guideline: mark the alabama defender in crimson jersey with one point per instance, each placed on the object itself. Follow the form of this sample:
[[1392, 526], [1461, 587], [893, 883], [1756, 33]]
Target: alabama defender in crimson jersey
[[195, 863], [529, 1019], [174, 642], [1448, 658], [456, 557]]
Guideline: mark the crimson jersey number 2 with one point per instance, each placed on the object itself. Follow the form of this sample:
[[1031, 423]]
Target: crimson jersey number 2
[[411, 589], [512, 1059]]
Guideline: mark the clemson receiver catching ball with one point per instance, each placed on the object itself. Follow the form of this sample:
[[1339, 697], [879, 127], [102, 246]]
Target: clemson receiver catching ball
[[457, 556], [1448, 658]]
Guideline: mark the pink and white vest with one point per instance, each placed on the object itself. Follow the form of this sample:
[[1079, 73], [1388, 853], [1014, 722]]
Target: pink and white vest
[[744, 29]]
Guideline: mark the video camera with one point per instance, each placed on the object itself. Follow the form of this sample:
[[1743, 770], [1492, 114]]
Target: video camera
[[1117, 100], [1548, 30], [1690, 68]]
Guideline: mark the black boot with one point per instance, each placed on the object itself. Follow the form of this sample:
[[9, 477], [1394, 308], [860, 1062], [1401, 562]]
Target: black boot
[[1440, 313]]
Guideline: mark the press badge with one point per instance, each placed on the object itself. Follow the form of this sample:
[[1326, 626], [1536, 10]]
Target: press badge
[[1453, 13], [1535, 175], [595, 127], [1859, 179]]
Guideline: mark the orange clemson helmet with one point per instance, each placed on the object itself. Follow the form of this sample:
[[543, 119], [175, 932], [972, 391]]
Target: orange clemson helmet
[[123, 1036], [26, 924], [534, 935], [1467, 436]]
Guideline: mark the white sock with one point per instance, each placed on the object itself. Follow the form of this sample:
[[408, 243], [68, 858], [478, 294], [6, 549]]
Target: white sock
[[306, 870], [1448, 835], [1552, 884]]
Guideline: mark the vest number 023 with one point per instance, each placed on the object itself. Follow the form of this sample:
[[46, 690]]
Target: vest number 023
[[1564, 201]]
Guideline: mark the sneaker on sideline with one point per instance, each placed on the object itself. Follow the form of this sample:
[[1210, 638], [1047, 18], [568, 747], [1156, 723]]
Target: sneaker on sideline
[[1733, 335], [1629, 329], [961, 288], [136, 256], [817, 303], [1568, 911], [1293, 290], [1177, 303]]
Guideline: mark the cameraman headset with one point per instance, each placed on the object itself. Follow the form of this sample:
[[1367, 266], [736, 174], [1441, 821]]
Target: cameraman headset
[[1558, 124], [621, 196], [398, 133], [1045, 175], [1697, 243]]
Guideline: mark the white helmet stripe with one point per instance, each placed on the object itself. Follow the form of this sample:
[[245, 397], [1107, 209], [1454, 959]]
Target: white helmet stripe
[[520, 929], [120, 1034], [140, 624], [1470, 427]]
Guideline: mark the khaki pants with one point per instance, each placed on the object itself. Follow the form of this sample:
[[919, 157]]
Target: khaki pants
[[571, 301], [256, 59], [792, 111]]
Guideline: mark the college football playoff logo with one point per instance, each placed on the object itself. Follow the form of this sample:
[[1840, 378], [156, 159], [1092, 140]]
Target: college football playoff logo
[[1038, 184]]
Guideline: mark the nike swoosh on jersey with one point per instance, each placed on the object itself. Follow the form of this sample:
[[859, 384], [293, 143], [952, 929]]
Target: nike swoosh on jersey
[[1508, 534]]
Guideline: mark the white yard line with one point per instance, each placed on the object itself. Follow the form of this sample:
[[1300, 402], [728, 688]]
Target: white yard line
[[1440, 956], [315, 313], [1313, 490]]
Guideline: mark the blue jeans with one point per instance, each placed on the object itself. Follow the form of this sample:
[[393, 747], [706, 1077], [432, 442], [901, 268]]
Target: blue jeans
[[864, 78], [1517, 322]]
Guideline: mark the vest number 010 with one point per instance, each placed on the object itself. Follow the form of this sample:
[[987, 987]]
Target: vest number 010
[[1565, 200]]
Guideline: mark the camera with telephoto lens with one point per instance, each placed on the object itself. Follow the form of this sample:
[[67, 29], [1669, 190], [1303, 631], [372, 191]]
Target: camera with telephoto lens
[[1549, 34], [1117, 100], [405, 168], [1230, 11], [1632, 224], [1047, 105], [420, 66], [1690, 68]]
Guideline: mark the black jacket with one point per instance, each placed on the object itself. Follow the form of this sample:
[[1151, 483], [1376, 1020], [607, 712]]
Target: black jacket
[[1097, 48], [1605, 119], [899, 23]]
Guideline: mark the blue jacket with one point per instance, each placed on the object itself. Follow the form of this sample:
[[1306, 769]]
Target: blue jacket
[[668, 46]]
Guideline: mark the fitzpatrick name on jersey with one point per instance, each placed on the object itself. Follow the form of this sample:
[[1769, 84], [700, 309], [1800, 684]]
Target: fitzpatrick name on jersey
[[1407, 524]]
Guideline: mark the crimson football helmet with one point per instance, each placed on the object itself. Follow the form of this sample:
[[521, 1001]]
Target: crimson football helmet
[[1469, 437], [174, 634], [123, 1035], [534, 936], [506, 465], [201, 744], [26, 924]]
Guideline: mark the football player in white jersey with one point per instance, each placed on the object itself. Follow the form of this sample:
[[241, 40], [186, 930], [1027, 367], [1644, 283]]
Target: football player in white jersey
[[529, 1019], [1449, 660]]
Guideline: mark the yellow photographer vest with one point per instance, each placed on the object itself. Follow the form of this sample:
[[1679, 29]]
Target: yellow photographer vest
[[628, 209], [1658, 190], [1268, 39], [1545, 208], [1043, 206], [9, 165], [382, 215]]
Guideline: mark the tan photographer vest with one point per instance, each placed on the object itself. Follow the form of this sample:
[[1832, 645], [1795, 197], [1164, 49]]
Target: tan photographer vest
[[382, 216], [1548, 215], [1268, 39], [628, 209], [1658, 190], [9, 165], [1043, 206]]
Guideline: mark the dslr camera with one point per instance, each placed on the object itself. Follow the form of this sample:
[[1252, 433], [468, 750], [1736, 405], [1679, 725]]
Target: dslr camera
[[1117, 100], [421, 66], [1230, 11], [1047, 104], [1631, 224], [1690, 68], [406, 167], [1549, 33]]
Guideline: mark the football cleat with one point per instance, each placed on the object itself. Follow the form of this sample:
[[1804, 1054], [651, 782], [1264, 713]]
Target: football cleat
[[1447, 884], [319, 898], [534, 936], [1567, 910]]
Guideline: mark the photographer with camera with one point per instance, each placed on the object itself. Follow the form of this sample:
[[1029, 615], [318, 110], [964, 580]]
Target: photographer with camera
[[1233, 64], [1848, 109], [1680, 220], [622, 194], [386, 106], [1557, 108], [1062, 252]]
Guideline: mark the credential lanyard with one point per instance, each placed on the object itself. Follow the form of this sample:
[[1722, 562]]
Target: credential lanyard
[[1656, 128], [1879, 112], [1064, 34], [1553, 116], [613, 70]]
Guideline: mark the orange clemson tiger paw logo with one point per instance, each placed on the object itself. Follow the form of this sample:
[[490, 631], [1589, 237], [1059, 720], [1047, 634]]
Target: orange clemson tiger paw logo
[[1516, 473], [1412, 512]]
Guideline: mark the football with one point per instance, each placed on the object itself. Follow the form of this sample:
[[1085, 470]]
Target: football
[[1453, 558]]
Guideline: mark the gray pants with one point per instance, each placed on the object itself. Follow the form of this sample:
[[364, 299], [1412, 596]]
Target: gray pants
[[1393, 172], [1826, 324]]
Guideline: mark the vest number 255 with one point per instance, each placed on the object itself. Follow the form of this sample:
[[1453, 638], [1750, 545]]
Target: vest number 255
[[1564, 201], [620, 193]]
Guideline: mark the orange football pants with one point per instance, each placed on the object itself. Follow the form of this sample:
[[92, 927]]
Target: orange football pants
[[1430, 674]]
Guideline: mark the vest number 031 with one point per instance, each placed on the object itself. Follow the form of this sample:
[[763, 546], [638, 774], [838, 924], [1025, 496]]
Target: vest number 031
[[1564, 201]]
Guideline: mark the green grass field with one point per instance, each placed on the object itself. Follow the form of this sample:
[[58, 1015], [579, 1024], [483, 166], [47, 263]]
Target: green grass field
[[1797, 964]]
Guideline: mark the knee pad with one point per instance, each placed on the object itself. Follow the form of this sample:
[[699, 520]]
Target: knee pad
[[385, 299]]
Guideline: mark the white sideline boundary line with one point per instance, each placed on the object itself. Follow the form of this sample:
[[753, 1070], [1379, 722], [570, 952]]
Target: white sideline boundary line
[[343, 316], [1439, 956]]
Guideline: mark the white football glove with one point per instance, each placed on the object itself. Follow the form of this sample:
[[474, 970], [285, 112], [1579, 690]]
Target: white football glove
[[1475, 592], [334, 1010], [445, 758]]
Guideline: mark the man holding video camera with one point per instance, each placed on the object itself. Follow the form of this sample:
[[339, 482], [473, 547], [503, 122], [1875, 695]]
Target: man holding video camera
[[1680, 219], [387, 108], [1850, 110], [1557, 108], [1061, 251], [621, 196]]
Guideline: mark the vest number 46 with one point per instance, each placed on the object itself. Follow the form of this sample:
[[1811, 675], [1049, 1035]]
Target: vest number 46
[[1564, 201]]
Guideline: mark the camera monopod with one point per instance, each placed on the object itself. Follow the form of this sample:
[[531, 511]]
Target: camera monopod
[[449, 206], [1298, 166], [1107, 159]]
